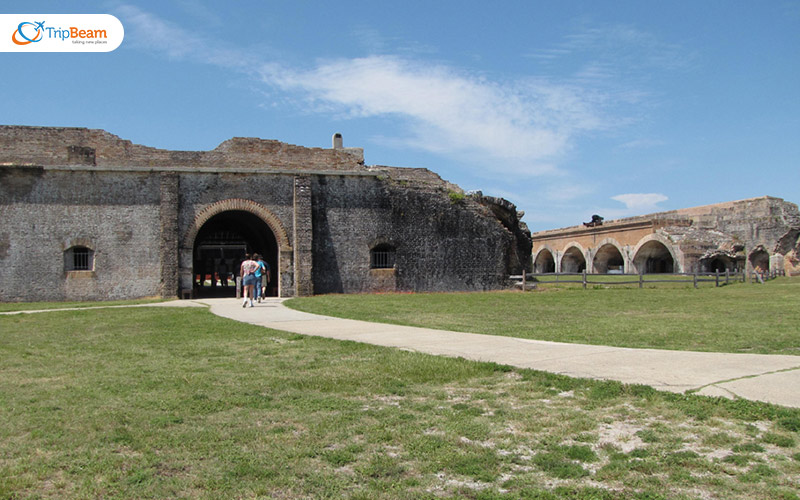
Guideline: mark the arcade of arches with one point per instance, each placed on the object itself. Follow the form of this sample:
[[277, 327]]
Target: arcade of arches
[[649, 256]]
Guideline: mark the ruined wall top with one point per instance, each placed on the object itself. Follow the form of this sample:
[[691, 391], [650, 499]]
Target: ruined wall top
[[717, 216], [55, 146], [727, 228]]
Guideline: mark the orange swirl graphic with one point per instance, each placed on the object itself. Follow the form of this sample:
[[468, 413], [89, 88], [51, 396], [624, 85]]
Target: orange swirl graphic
[[39, 34]]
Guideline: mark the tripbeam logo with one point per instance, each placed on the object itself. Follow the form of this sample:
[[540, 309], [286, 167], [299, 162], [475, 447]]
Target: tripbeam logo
[[60, 33], [36, 30]]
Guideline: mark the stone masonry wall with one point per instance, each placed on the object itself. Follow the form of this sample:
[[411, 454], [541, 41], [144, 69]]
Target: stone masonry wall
[[302, 236], [43, 213], [140, 209], [440, 244], [169, 209]]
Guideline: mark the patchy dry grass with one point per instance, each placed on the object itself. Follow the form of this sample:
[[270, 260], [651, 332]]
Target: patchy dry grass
[[161, 403]]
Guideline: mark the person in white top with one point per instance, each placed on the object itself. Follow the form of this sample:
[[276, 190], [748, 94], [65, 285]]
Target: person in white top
[[248, 273]]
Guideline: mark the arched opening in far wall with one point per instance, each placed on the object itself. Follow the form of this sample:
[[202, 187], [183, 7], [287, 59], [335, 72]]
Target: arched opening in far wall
[[220, 246], [573, 261], [654, 257], [544, 262], [608, 259], [759, 259], [718, 263]]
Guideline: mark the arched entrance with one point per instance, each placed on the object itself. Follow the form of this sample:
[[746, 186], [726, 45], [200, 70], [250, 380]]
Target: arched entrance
[[608, 259], [759, 259], [573, 261], [544, 263], [718, 263], [220, 246], [654, 257]]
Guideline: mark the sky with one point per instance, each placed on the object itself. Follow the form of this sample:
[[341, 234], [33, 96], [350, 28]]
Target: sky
[[565, 108]]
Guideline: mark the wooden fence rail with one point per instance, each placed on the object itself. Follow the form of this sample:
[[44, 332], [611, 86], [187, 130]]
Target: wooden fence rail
[[762, 276], [530, 280]]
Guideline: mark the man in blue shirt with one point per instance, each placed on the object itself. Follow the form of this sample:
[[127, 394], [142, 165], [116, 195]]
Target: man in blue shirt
[[262, 276]]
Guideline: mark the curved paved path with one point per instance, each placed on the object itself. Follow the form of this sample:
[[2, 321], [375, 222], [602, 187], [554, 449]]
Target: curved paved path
[[760, 377]]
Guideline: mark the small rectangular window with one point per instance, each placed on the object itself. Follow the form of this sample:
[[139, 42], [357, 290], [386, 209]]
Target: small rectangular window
[[382, 259], [79, 259]]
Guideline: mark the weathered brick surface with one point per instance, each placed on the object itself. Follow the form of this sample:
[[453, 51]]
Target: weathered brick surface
[[303, 236], [42, 213], [168, 214], [269, 194], [70, 146], [440, 245], [315, 213]]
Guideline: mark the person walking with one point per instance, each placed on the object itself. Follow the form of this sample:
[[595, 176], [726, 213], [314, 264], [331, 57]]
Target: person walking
[[223, 273], [265, 277], [248, 273], [259, 274]]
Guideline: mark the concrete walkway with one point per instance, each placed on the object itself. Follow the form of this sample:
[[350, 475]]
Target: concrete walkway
[[759, 377]]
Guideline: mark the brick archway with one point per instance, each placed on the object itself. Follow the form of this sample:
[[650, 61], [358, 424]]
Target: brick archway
[[544, 261], [608, 256], [282, 270], [660, 252], [573, 259], [246, 206]]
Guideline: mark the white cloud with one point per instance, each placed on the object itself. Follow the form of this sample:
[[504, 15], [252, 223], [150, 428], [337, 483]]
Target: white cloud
[[145, 30], [640, 202], [523, 127], [520, 126]]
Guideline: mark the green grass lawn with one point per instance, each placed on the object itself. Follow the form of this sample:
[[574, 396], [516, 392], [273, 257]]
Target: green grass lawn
[[735, 318], [178, 403]]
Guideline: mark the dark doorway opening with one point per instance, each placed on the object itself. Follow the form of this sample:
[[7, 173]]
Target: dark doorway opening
[[654, 258], [219, 249], [545, 263], [573, 261], [718, 263], [759, 259], [608, 260]]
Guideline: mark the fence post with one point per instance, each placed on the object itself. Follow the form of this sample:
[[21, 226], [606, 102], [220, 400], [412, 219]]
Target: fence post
[[694, 278], [584, 279], [641, 280], [238, 287], [523, 279], [727, 276], [717, 278]]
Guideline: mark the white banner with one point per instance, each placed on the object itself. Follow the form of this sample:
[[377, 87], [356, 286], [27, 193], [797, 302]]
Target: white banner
[[60, 33]]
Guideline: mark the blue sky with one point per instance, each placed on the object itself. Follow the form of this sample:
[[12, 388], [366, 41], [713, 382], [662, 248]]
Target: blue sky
[[566, 108]]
